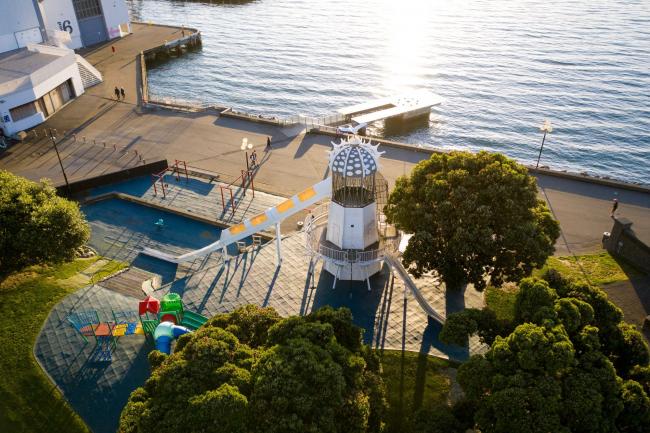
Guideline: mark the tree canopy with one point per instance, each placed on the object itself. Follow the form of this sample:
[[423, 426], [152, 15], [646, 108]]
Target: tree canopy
[[251, 371], [566, 363], [36, 225], [472, 216]]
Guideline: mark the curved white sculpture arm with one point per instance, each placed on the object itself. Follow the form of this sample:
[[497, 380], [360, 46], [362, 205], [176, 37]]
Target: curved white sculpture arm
[[246, 228]]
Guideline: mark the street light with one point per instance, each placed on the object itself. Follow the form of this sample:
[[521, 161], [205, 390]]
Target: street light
[[545, 128], [53, 138], [246, 146]]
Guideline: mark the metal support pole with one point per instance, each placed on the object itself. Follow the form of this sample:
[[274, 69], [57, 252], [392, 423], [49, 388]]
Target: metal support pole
[[278, 245], [540, 150], [56, 149]]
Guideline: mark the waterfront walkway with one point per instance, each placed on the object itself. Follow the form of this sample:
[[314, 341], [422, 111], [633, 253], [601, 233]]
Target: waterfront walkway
[[296, 161]]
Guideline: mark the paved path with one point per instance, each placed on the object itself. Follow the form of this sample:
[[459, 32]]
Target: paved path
[[211, 142]]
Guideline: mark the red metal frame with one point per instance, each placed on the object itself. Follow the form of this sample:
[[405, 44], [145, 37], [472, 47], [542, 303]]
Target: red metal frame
[[223, 199], [248, 176], [177, 169], [159, 177]]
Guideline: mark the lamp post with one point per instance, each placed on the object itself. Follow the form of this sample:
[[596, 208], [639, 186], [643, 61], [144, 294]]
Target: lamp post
[[53, 138], [545, 128], [246, 146]]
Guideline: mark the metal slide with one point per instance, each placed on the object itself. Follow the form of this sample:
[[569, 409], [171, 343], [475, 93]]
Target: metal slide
[[396, 264], [249, 227]]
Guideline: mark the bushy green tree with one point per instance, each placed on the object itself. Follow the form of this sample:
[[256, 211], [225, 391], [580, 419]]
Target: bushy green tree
[[251, 371], [36, 225], [562, 369], [472, 216]]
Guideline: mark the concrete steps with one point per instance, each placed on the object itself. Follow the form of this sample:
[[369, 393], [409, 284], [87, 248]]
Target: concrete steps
[[89, 75]]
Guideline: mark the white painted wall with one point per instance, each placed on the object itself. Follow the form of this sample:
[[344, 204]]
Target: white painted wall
[[115, 13], [18, 24], [352, 228], [43, 81], [59, 15]]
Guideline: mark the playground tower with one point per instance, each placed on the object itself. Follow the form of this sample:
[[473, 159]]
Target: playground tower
[[345, 233]]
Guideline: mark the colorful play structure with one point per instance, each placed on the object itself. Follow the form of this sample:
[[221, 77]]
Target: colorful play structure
[[167, 319], [162, 320], [106, 332]]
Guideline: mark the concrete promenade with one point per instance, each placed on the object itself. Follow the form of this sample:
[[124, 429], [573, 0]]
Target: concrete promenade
[[296, 161]]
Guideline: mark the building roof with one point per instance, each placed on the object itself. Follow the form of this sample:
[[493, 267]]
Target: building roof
[[17, 66]]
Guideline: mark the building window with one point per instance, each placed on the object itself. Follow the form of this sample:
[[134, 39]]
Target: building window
[[48, 104], [23, 111], [86, 8]]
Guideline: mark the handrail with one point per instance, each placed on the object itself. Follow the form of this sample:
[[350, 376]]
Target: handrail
[[317, 218]]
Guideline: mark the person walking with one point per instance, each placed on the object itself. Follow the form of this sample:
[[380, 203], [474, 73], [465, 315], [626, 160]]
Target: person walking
[[614, 206], [254, 158], [268, 143], [122, 93], [117, 93]]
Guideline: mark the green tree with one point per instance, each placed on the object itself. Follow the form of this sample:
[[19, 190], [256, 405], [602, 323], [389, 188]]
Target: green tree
[[36, 225], [635, 417], [472, 216], [250, 371], [562, 369]]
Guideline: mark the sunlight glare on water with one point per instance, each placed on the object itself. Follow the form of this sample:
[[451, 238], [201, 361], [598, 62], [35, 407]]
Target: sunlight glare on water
[[502, 66]]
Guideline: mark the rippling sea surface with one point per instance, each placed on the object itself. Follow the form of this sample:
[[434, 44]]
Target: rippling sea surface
[[502, 67]]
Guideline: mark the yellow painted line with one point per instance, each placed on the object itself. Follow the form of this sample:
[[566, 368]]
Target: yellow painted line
[[284, 206], [237, 229], [259, 219], [307, 194]]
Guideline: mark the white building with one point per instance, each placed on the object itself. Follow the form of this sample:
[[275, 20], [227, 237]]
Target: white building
[[39, 72], [88, 22]]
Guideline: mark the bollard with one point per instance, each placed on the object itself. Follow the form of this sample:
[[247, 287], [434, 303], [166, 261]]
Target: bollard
[[114, 146], [104, 145], [84, 137], [136, 151], [140, 156], [74, 137], [94, 142]]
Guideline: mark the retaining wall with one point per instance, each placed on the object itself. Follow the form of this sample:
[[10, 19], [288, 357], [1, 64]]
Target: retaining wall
[[118, 176], [623, 242]]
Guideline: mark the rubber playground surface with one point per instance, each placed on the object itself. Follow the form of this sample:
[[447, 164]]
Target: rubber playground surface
[[98, 390]]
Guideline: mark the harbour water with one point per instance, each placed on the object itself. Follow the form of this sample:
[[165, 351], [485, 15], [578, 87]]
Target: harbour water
[[502, 66]]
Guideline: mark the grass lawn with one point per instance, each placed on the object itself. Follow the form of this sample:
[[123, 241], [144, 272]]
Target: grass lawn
[[600, 268], [412, 381], [28, 400]]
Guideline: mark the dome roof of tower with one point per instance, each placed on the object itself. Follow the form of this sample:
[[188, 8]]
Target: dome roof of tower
[[354, 158]]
